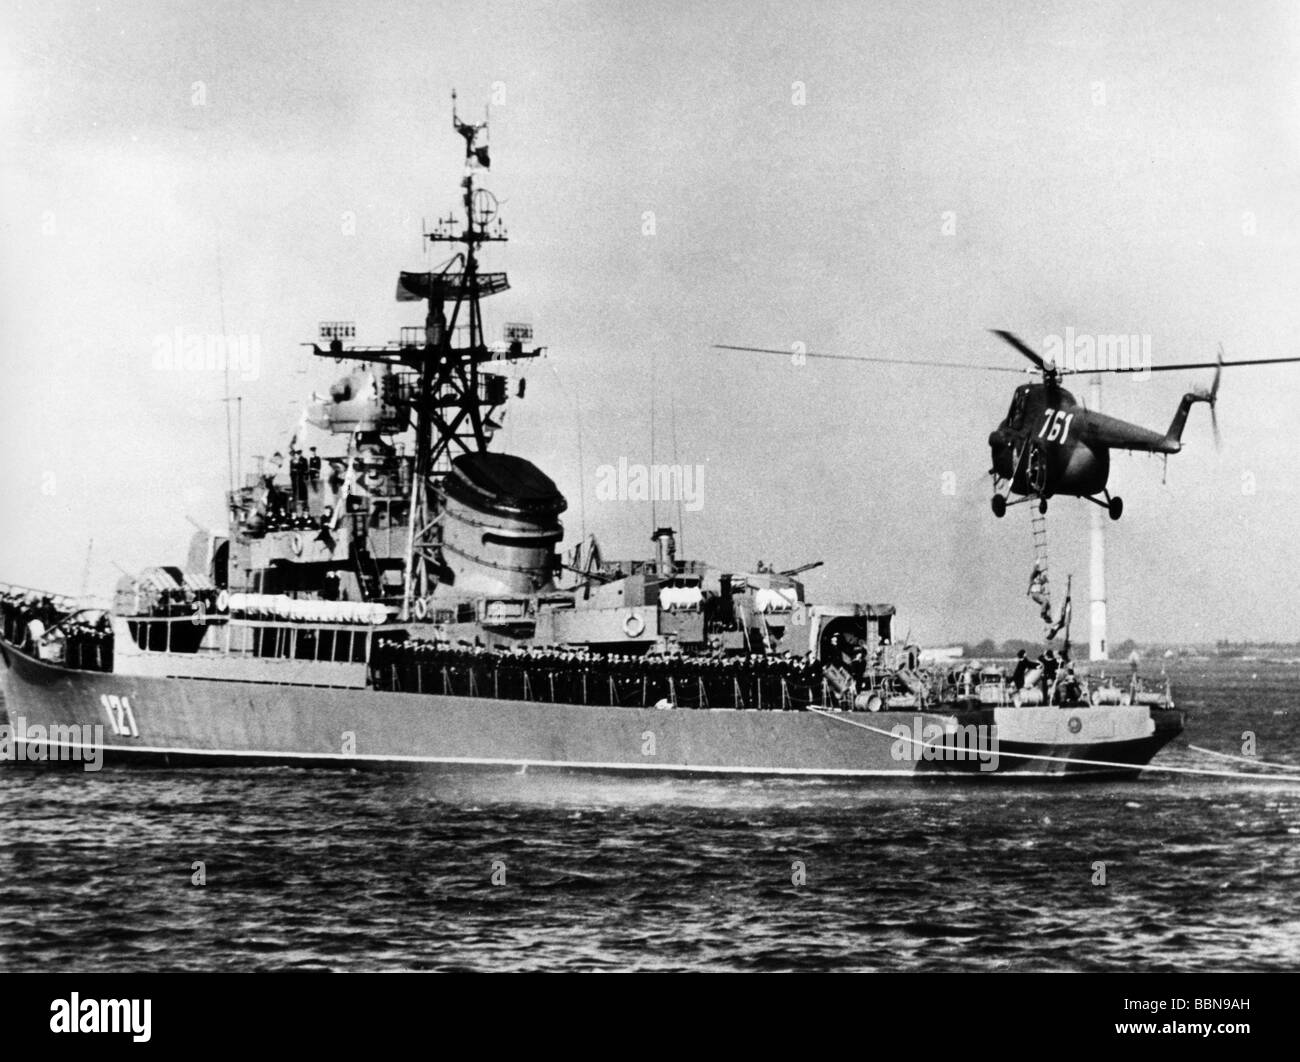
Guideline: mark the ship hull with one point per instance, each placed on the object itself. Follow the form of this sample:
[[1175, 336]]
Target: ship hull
[[182, 721]]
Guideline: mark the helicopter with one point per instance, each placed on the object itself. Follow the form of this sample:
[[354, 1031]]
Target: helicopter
[[1051, 444]]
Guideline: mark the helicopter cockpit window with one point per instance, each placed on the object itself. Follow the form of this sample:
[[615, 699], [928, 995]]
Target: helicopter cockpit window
[[1017, 411]]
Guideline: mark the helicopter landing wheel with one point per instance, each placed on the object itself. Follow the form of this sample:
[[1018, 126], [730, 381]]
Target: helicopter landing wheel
[[1115, 507], [999, 506], [1042, 506]]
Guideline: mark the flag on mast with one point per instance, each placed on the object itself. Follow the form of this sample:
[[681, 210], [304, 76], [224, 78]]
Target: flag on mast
[[1063, 621]]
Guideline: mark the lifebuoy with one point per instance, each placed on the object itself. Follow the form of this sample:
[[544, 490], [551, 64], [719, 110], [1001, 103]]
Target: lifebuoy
[[295, 542], [223, 601], [633, 626], [421, 608], [1075, 724]]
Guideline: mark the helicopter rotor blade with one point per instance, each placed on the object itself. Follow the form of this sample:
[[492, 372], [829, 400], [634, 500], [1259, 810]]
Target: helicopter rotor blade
[[1025, 349], [1217, 364], [864, 357]]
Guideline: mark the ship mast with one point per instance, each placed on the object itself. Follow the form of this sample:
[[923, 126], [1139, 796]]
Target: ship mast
[[451, 398], [453, 374]]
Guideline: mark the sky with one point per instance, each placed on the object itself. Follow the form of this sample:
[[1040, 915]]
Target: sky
[[892, 180]]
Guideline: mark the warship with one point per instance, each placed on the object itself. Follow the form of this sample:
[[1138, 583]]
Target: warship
[[395, 595]]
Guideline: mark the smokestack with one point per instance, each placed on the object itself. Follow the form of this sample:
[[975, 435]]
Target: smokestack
[[665, 551]]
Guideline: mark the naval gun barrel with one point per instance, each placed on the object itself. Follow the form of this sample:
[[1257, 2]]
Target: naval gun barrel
[[803, 568]]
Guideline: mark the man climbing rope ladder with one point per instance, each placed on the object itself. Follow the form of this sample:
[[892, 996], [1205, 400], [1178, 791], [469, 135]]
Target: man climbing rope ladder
[[1039, 591]]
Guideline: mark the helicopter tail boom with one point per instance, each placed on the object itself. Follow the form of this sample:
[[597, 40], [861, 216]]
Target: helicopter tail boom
[[1120, 435], [1175, 433], [1174, 436]]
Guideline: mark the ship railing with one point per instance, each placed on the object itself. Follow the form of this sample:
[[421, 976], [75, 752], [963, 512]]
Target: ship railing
[[492, 388], [315, 643], [338, 643], [649, 567], [417, 336], [420, 336]]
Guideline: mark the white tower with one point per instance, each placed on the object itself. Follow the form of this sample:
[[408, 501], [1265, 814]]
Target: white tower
[[1097, 646]]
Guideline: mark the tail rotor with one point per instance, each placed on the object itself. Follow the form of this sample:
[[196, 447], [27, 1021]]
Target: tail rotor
[[1212, 397], [1218, 372]]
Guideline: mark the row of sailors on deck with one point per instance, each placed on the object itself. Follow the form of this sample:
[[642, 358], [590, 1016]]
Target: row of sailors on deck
[[27, 615], [279, 519], [83, 644], [800, 669], [26, 605]]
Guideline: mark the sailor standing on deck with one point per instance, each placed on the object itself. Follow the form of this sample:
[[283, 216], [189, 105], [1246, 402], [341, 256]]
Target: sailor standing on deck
[[293, 474], [1049, 664], [1022, 669], [298, 476], [274, 497]]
